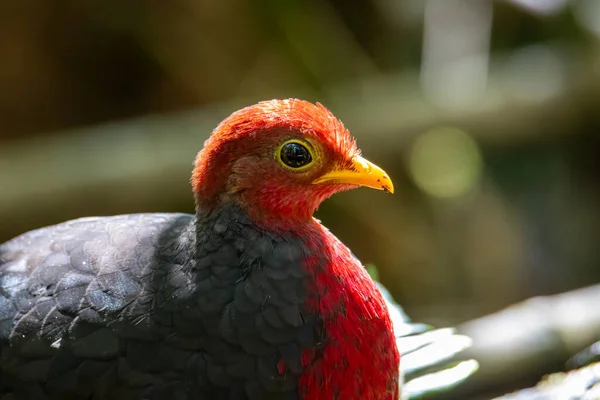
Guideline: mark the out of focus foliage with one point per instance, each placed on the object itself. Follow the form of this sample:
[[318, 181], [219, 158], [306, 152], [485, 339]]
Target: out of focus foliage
[[484, 112]]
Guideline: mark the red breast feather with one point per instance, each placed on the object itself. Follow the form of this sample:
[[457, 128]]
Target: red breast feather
[[360, 358]]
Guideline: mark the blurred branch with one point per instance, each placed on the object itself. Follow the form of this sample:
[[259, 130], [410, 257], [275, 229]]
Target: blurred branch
[[146, 159], [581, 384], [529, 338]]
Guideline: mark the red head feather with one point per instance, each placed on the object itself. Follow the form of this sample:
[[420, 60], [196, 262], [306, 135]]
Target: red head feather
[[237, 160]]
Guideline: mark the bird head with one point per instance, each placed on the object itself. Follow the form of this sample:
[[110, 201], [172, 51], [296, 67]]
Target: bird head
[[279, 160]]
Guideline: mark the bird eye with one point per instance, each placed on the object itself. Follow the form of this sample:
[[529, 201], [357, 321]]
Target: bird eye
[[295, 155]]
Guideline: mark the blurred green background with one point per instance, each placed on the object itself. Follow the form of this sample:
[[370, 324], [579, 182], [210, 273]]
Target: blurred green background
[[485, 114]]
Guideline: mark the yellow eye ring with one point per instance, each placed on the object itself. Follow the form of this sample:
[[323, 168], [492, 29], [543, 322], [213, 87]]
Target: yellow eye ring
[[295, 154]]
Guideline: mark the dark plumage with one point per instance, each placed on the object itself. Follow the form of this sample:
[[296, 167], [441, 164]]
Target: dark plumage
[[133, 299]]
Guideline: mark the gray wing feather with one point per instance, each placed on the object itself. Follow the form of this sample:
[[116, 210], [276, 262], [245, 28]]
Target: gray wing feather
[[63, 287]]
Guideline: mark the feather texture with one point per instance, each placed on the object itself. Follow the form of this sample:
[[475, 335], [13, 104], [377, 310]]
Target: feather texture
[[149, 304]]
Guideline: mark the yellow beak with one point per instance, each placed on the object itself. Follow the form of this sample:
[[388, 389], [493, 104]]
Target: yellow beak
[[361, 173]]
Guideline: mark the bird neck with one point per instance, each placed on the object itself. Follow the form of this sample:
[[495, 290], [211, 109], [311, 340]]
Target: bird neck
[[283, 218]]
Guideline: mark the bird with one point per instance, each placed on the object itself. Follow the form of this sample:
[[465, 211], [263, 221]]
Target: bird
[[248, 298]]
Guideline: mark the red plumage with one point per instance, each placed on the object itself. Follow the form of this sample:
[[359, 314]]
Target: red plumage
[[258, 127], [362, 359]]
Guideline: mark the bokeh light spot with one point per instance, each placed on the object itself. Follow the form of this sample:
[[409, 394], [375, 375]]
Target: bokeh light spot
[[445, 162]]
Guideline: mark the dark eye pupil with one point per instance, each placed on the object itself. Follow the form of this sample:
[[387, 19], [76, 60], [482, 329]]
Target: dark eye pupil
[[295, 155]]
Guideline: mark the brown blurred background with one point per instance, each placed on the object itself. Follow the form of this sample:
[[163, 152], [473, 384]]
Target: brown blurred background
[[485, 113]]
